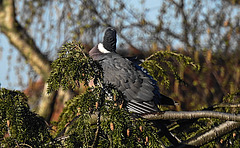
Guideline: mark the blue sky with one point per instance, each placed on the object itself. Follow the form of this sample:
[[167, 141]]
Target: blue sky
[[8, 77]]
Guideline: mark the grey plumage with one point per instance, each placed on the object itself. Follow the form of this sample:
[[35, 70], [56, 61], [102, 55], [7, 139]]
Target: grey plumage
[[139, 88]]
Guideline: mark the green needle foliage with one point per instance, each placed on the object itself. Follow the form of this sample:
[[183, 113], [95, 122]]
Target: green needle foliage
[[115, 127], [163, 64], [19, 126], [71, 67]]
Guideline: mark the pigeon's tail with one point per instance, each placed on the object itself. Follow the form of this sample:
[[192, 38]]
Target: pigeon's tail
[[142, 107], [164, 100]]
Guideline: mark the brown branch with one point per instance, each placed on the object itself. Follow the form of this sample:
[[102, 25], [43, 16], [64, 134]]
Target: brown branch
[[96, 138], [171, 115], [185, 23], [95, 141], [46, 105], [25, 44], [19, 37], [214, 133]]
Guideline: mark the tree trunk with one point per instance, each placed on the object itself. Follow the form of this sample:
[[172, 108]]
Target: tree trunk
[[25, 44], [19, 37]]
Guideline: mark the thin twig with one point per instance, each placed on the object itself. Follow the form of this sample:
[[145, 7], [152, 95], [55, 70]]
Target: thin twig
[[95, 142], [25, 145], [226, 105]]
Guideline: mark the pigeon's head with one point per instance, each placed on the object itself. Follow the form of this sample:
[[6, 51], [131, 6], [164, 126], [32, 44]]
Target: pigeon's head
[[110, 39]]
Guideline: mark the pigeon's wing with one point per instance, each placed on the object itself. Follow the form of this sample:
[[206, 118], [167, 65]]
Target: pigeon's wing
[[159, 98], [135, 85]]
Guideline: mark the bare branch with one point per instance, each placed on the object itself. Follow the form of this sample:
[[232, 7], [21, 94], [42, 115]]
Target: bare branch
[[214, 133], [170, 115], [198, 140]]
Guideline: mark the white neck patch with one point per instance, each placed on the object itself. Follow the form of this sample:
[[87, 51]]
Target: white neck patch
[[102, 49]]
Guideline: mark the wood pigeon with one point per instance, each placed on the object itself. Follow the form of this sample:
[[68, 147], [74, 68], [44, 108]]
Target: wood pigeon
[[139, 88]]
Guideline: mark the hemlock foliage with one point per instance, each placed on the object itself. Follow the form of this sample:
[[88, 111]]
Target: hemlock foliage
[[19, 126], [117, 129], [114, 127], [164, 63]]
